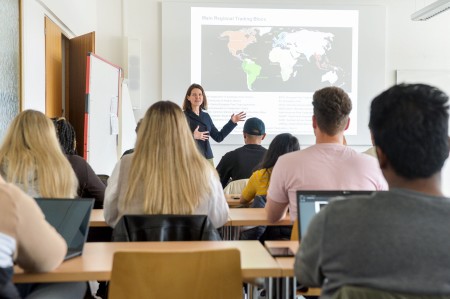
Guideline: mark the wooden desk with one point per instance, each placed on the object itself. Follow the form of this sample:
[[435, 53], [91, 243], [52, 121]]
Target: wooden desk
[[247, 217], [97, 258], [236, 217], [253, 217], [97, 218], [233, 200], [287, 263]]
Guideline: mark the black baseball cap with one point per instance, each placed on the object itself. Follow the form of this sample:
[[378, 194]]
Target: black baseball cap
[[254, 126]]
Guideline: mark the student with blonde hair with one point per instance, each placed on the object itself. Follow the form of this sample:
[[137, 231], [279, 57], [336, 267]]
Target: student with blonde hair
[[166, 174], [31, 158]]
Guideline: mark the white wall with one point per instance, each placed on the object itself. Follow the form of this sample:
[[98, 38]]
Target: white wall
[[74, 17], [109, 33], [78, 15], [33, 56]]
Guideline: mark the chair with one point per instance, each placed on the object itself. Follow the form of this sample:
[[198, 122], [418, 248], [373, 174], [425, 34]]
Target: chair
[[135, 228], [235, 187], [173, 275], [354, 292], [131, 228]]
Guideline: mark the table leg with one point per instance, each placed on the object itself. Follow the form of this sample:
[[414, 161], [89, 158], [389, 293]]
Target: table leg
[[250, 290], [269, 288]]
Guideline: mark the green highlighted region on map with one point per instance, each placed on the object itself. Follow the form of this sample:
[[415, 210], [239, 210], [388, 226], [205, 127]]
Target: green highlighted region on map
[[252, 70]]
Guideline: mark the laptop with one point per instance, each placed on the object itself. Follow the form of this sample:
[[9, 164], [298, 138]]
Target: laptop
[[309, 203], [70, 217]]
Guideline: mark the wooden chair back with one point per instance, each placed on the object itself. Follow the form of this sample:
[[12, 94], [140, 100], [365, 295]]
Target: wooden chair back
[[173, 275]]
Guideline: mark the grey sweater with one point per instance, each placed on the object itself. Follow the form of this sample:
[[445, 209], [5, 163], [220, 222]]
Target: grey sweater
[[397, 240]]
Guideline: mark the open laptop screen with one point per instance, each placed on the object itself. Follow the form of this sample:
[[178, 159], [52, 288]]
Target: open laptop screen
[[310, 202], [70, 218]]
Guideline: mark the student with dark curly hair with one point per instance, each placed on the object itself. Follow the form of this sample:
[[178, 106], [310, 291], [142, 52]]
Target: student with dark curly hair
[[89, 184]]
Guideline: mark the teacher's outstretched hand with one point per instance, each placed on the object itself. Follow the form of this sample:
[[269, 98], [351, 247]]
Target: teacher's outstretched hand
[[235, 118]]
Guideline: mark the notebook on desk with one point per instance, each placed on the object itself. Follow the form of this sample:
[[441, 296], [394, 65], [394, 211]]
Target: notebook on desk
[[310, 202], [70, 217]]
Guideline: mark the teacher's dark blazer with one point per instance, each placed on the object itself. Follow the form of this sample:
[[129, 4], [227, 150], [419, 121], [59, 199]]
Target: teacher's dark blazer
[[205, 123]]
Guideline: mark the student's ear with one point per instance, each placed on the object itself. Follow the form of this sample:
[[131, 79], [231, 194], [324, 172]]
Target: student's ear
[[382, 159], [373, 142], [263, 136], [314, 122], [348, 124]]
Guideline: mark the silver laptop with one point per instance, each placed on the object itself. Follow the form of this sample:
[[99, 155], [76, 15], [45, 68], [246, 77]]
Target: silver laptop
[[70, 217], [310, 202]]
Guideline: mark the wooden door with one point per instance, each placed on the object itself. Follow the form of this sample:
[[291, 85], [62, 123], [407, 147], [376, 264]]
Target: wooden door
[[76, 106], [53, 69]]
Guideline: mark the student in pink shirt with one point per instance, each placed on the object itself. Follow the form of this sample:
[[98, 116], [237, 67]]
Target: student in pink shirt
[[327, 165]]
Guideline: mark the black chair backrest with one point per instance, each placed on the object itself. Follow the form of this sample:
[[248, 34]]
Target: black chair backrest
[[132, 228]]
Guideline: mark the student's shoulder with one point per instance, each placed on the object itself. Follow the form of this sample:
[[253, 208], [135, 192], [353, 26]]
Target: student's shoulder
[[350, 204], [365, 159], [76, 159], [13, 199], [234, 153], [354, 198], [7, 194], [293, 156]]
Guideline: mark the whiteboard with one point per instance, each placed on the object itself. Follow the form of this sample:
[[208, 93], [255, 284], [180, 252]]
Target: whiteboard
[[127, 121], [101, 118], [440, 79]]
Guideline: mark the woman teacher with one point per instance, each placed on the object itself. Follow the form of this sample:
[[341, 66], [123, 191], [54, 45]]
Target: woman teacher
[[201, 124]]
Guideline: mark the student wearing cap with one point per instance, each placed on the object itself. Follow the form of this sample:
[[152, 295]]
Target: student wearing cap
[[201, 124], [240, 163]]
